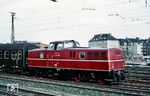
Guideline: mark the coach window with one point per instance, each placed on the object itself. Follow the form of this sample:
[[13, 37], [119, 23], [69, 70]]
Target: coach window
[[19, 55], [6, 54], [13, 55], [82, 55], [1, 54]]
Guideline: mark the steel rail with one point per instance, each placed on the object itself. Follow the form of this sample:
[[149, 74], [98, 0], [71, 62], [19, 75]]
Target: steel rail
[[23, 90], [101, 88]]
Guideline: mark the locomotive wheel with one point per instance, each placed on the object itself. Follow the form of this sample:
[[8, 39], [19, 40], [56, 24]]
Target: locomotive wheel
[[116, 77], [123, 76], [101, 81], [77, 79]]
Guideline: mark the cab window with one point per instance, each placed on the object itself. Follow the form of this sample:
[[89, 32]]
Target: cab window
[[59, 46], [77, 44], [68, 44], [51, 47]]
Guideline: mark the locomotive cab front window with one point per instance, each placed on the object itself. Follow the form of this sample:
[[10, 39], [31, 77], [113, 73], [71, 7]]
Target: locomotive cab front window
[[51, 47], [56, 46], [59, 46]]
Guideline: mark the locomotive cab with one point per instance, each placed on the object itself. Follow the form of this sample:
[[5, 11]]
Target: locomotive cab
[[58, 45]]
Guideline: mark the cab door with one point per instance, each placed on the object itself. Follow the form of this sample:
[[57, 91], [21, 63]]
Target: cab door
[[55, 55]]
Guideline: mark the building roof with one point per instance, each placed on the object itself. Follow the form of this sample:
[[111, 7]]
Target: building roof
[[101, 37], [130, 40]]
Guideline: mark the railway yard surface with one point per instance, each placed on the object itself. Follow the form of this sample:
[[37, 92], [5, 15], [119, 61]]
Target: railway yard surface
[[137, 83]]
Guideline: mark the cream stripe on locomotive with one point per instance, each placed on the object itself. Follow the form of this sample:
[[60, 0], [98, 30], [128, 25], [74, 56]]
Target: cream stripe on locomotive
[[77, 60], [71, 68]]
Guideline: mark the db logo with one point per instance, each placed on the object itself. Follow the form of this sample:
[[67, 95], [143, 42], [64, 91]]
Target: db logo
[[12, 87]]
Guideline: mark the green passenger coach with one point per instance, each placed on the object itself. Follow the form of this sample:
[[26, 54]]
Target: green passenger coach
[[14, 55]]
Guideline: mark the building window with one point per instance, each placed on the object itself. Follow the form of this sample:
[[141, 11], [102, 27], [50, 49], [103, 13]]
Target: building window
[[13, 55], [82, 55], [1, 54], [19, 54], [6, 54]]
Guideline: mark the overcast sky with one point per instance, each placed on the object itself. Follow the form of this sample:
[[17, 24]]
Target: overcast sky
[[45, 21]]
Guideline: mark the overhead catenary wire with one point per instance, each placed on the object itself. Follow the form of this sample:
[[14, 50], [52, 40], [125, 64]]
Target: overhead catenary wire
[[57, 14]]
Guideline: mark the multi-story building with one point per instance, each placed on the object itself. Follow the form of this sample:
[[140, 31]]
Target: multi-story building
[[134, 48], [39, 44], [146, 50], [146, 47], [104, 41]]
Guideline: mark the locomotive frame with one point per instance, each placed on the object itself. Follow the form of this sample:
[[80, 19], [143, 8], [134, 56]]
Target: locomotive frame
[[78, 62]]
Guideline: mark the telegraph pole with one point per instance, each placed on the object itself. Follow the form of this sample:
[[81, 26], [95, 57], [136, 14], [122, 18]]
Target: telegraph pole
[[12, 27], [145, 3]]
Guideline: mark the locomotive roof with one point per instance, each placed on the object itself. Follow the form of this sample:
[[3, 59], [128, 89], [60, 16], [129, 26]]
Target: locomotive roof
[[18, 46], [63, 41], [88, 48]]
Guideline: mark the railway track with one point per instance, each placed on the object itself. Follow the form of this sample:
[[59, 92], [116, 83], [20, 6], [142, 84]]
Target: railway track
[[140, 72], [3, 92], [124, 89], [138, 68], [22, 91], [137, 83]]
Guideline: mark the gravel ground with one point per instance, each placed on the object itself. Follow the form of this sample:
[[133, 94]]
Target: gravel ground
[[55, 89]]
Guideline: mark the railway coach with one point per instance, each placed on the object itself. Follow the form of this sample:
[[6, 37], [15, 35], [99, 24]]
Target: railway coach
[[14, 56], [69, 60]]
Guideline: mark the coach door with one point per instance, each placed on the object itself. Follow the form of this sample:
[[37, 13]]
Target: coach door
[[13, 58], [19, 58]]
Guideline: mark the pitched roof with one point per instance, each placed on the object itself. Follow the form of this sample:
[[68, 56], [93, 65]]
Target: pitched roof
[[100, 37]]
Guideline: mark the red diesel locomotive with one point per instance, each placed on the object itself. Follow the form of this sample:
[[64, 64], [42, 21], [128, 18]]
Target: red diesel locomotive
[[68, 60]]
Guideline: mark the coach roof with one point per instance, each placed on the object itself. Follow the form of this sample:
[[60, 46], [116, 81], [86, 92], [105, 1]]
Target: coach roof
[[19, 46]]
